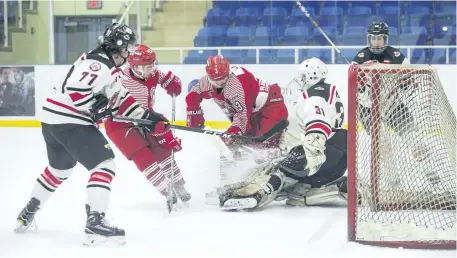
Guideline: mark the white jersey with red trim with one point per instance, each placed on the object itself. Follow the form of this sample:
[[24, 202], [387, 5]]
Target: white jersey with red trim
[[94, 73], [317, 110]]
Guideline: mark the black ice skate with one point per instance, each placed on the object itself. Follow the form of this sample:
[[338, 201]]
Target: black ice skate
[[26, 218], [99, 231]]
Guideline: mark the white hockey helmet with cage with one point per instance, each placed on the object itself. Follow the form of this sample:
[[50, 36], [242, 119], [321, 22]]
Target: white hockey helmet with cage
[[311, 71]]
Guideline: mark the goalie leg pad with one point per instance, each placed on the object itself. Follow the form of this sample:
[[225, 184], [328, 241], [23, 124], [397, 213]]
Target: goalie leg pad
[[258, 193]]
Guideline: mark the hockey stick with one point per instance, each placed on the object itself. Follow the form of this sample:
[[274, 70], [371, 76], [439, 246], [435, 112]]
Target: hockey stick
[[172, 173], [303, 9], [277, 128], [121, 20]]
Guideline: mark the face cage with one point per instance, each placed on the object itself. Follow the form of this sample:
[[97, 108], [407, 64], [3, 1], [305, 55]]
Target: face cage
[[377, 50], [218, 83], [143, 71]]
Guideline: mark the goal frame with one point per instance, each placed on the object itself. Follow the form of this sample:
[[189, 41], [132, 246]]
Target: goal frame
[[375, 127]]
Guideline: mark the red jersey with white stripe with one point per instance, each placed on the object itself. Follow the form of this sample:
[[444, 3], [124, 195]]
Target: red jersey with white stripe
[[242, 95], [317, 110], [92, 74], [144, 90]]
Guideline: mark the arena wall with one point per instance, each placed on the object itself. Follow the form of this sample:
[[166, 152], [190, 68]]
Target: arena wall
[[48, 76]]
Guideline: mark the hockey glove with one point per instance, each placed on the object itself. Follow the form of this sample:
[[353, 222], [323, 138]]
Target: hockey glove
[[230, 142], [195, 118], [154, 117], [314, 146], [165, 137], [172, 84], [100, 109]]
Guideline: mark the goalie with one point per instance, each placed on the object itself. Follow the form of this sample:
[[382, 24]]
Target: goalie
[[315, 147]]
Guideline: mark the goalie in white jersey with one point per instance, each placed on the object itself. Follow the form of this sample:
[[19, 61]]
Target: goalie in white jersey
[[311, 172], [91, 90]]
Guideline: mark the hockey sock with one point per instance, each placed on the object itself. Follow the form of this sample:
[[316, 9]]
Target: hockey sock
[[48, 182], [98, 187]]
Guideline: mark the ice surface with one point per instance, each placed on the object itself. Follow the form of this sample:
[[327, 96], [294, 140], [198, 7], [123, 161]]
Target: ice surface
[[199, 231]]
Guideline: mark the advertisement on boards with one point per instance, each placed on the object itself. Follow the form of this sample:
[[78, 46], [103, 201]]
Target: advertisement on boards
[[17, 91]]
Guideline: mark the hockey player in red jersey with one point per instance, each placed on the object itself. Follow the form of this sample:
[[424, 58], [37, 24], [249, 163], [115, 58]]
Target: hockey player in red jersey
[[90, 91], [252, 105], [150, 150]]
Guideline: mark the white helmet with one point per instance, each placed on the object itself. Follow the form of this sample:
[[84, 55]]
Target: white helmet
[[311, 71]]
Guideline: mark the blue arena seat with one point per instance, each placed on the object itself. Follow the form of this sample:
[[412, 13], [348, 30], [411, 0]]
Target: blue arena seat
[[218, 16], [246, 16], [210, 36], [239, 36], [274, 16], [452, 58], [320, 40], [349, 54], [417, 16], [356, 35], [413, 36], [331, 17], [265, 57], [323, 54], [199, 56], [359, 16], [285, 56], [234, 56], [295, 36], [297, 17]]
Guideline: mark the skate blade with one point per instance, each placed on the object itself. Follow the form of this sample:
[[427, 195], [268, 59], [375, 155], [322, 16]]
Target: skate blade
[[98, 240], [239, 204], [21, 228]]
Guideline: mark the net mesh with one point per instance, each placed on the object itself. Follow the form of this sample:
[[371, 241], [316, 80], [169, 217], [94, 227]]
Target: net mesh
[[405, 156]]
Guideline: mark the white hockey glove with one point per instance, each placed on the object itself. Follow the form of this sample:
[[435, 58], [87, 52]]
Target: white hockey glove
[[314, 146]]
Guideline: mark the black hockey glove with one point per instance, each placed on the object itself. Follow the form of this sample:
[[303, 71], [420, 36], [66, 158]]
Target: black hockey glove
[[154, 117], [99, 109]]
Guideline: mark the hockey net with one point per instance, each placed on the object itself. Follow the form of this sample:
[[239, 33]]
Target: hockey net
[[401, 158]]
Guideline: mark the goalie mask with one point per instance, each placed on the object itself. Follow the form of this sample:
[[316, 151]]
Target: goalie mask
[[143, 61], [378, 37], [311, 72], [218, 70]]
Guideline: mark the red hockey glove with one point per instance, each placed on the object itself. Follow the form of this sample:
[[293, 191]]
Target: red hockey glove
[[172, 84], [195, 118], [165, 137], [232, 130]]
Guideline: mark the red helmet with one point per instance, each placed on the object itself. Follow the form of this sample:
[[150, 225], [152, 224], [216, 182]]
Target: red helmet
[[217, 68], [142, 55]]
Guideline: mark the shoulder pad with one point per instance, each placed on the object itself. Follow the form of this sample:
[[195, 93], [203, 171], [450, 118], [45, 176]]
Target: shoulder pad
[[362, 56], [319, 90], [99, 55]]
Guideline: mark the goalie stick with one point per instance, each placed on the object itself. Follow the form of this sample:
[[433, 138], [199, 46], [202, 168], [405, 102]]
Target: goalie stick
[[275, 129]]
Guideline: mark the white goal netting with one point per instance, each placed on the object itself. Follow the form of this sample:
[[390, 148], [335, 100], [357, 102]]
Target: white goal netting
[[402, 157]]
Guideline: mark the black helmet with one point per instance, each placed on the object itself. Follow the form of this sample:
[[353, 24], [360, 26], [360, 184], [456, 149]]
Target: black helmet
[[118, 36], [375, 29]]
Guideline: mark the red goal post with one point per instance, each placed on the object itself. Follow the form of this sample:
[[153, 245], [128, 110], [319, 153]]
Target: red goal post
[[401, 158]]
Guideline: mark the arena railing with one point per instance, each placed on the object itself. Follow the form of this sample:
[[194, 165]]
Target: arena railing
[[297, 48]]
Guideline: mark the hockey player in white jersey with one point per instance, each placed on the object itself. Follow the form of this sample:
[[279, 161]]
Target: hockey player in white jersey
[[314, 146], [91, 91]]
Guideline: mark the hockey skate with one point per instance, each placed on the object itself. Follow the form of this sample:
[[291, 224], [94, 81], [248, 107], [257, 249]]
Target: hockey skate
[[99, 232], [330, 193], [183, 194], [27, 216]]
